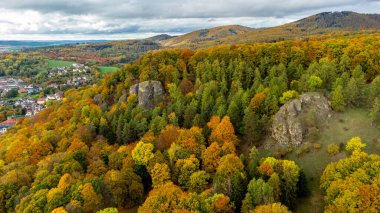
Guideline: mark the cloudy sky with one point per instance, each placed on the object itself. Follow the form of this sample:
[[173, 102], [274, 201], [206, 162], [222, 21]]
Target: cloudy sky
[[125, 19]]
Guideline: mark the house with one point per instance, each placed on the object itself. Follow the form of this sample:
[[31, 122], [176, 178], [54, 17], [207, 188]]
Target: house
[[29, 113], [58, 96], [6, 124], [53, 85], [12, 86], [37, 109], [31, 89], [41, 101], [3, 129], [30, 101], [50, 97]]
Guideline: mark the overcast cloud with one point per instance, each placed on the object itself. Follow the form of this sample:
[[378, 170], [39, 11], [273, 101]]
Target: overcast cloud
[[118, 19]]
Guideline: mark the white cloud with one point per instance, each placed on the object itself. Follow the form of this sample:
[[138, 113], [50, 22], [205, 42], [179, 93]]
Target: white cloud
[[59, 19]]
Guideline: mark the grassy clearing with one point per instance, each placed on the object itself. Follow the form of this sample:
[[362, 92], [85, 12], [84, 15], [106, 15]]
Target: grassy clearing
[[57, 63], [51, 63], [103, 69], [340, 128]]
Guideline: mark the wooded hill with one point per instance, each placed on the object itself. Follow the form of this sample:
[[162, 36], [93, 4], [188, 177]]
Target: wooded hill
[[115, 53], [98, 148], [322, 23]]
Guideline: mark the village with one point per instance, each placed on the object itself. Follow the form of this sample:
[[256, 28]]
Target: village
[[20, 98]]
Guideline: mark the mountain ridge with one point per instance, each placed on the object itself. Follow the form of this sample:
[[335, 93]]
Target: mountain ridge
[[318, 26], [202, 35], [321, 23]]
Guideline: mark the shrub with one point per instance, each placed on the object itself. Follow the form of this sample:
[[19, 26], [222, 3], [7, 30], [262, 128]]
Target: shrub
[[314, 82], [302, 150], [289, 149], [108, 210], [281, 153], [333, 149], [317, 145], [305, 149], [355, 144], [288, 95], [299, 152]]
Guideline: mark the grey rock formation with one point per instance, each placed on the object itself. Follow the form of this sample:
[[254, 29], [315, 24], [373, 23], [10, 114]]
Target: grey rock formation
[[294, 118], [149, 93]]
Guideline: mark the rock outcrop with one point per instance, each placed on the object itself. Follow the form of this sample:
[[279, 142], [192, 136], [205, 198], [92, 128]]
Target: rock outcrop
[[293, 120], [149, 93]]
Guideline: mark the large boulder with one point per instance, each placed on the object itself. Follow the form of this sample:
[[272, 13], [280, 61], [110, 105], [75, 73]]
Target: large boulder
[[295, 118], [149, 93]]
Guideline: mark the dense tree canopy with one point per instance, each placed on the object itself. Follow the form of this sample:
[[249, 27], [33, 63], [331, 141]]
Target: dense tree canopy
[[98, 148], [352, 184]]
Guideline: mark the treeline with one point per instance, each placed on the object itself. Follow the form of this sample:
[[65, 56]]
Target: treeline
[[105, 54], [245, 82], [99, 149], [20, 64]]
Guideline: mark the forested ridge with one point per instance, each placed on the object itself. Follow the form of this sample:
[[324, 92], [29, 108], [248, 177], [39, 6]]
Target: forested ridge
[[326, 23], [98, 148]]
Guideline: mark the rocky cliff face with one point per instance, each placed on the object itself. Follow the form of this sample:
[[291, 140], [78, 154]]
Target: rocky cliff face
[[149, 93], [293, 120]]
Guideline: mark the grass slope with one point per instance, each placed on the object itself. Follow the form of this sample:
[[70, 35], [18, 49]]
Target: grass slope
[[326, 24], [103, 69], [58, 63], [194, 38], [341, 128], [51, 63]]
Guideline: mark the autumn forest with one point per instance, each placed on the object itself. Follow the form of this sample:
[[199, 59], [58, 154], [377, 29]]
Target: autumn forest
[[203, 147]]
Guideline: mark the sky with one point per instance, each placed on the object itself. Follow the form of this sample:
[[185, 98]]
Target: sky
[[133, 19]]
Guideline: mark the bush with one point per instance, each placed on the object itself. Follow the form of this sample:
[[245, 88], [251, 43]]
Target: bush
[[289, 149], [305, 149], [281, 153], [302, 150], [108, 210], [317, 145], [288, 95], [299, 152], [314, 82], [333, 149]]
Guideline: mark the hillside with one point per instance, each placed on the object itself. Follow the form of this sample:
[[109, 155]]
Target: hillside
[[161, 37], [111, 53], [100, 148], [205, 35], [345, 20], [114, 53], [319, 24]]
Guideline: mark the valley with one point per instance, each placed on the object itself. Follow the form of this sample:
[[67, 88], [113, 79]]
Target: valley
[[30, 83]]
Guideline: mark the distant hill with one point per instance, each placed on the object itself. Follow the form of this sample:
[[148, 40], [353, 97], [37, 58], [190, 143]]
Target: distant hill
[[26, 44], [205, 35], [318, 24], [161, 37], [340, 20], [113, 53]]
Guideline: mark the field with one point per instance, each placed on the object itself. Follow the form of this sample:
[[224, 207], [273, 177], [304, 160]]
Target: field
[[107, 69], [341, 128], [57, 63]]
